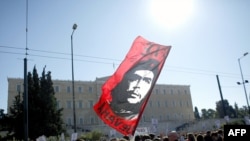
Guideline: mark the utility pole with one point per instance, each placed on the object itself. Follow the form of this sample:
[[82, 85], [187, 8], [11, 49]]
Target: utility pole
[[222, 101], [25, 94], [73, 83]]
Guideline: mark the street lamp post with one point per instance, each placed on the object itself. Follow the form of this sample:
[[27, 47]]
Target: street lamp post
[[244, 81], [73, 85]]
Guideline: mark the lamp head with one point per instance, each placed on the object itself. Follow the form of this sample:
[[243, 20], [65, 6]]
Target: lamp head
[[74, 26], [245, 53]]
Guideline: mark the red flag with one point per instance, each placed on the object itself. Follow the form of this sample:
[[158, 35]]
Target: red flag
[[126, 92]]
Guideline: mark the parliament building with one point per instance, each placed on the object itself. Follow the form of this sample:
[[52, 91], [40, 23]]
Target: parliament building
[[169, 106]]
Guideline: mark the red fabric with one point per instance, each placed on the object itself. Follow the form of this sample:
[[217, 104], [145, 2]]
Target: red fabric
[[141, 50]]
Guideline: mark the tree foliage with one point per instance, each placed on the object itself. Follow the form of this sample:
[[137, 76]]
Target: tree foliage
[[242, 112], [43, 116], [92, 136], [229, 110], [196, 113], [221, 112], [208, 113]]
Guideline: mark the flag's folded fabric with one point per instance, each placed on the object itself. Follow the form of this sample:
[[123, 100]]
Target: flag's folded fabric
[[125, 94]]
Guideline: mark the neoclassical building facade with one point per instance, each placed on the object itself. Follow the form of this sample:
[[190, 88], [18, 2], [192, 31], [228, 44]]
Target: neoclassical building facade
[[168, 107]]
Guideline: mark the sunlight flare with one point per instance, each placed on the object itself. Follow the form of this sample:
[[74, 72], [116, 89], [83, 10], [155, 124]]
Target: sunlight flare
[[171, 13]]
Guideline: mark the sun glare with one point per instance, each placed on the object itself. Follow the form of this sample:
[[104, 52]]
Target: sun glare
[[171, 13]]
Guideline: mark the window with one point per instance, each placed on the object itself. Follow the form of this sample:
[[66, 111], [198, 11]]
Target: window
[[81, 121], [91, 103], [56, 89], [80, 90], [90, 90], [69, 121], [80, 104], [150, 103], [18, 88], [92, 120], [167, 117], [166, 104], [159, 104], [172, 91], [164, 91], [179, 92], [182, 116], [68, 89], [69, 104], [185, 91], [58, 104], [173, 104], [175, 116], [143, 118], [156, 91]]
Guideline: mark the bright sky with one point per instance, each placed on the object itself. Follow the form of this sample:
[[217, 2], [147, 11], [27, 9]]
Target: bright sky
[[207, 38]]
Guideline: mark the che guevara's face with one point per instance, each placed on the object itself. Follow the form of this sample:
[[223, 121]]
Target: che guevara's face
[[139, 84]]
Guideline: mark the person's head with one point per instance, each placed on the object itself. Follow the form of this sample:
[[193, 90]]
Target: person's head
[[126, 137], [114, 139], [208, 133], [173, 136], [138, 138], [214, 136], [152, 136], [200, 137], [165, 138], [220, 132], [191, 137]]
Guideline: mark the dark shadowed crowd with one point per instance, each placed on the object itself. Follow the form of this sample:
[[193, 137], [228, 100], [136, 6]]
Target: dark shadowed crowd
[[215, 135]]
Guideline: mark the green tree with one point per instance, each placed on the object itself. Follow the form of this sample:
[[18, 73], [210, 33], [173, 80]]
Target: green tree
[[236, 108], [208, 113], [228, 109], [204, 114], [2, 116], [92, 136], [53, 122], [43, 116], [242, 112], [211, 113], [196, 113], [16, 118], [34, 103]]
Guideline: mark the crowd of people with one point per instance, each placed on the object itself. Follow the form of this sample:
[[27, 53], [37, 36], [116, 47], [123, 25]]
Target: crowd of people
[[215, 135]]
